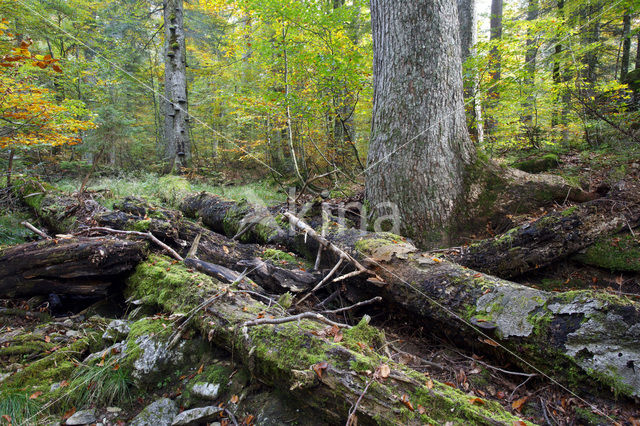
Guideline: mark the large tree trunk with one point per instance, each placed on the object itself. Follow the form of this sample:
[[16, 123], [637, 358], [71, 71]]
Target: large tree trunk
[[420, 147], [79, 266], [176, 116]]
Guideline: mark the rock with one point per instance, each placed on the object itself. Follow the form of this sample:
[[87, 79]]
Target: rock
[[196, 416], [117, 351], [206, 390], [116, 330], [68, 323], [54, 386], [82, 417], [3, 376], [113, 409], [159, 413], [72, 333], [154, 357]]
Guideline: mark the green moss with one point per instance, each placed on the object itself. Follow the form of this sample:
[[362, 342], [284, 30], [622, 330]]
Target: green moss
[[617, 253], [363, 333], [568, 212], [381, 239], [171, 286], [588, 417], [538, 165], [276, 255], [142, 225]]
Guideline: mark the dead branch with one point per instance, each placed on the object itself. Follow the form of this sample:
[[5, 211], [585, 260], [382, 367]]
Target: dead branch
[[147, 235], [309, 315], [36, 230], [357, 305], [322, 282]]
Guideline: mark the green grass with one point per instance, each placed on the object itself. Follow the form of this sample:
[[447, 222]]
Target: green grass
[[171, 190], [11, 231], [103, 385], [17, 405]]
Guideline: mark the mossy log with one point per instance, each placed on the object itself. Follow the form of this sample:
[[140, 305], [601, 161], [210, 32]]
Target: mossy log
[[553, 237], [575, 337], [78, 266], [294, 357], [169, 227]]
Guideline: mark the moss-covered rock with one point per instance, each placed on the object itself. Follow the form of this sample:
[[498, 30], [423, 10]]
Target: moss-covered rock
[[538, 164]]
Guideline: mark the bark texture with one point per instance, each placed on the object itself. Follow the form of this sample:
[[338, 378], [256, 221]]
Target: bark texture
[[176, 117], [420, 146], [294, 357], [79, 266], [626, 46], [550, 238]]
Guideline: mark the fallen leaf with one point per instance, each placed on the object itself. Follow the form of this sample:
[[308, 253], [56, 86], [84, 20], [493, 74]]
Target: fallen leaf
[[518, 403], [64, 383], [429, 384], [200, 369], [234, 399], [338, 337], [491, 342], [477, 401], [451, 385], [7, 418], [500, 395], [320, 367], [249, 419], [69, 413], [421, 409], [405, 400], [225, 249], [519, 423], [35, 395], [116, 367], [47, 339]]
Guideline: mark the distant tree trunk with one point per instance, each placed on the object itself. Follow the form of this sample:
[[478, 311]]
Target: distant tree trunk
[[638, 53], [560, 110], [176, 123], [530, 73], [494, 62], [420, 147], [592, 37], [626, 45], [468, 37]]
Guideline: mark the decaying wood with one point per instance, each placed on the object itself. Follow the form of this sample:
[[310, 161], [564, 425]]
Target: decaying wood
[[316, 371], [551, 238], [79, 266]]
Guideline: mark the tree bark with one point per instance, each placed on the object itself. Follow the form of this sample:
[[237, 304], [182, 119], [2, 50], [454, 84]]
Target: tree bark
[[176, 116], [79, 266], [292, 356], [420, 147], [551, 238], [495, 35], [626, 46], [530, 69]]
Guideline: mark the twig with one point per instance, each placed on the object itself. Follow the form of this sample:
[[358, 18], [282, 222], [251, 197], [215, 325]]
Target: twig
[[518, 387], [357, 305], [148, 235], [513, 373], [36, 230], [353, 410], [329, 299], [231, 417], [323, 282], [544, 412], [262, 296], [349, 275], [194, 247], [308, 315]]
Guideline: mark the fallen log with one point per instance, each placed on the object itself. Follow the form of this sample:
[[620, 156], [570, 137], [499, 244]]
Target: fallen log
[[78, 266], [216, 249], [553, 237], [566, 336], [338, 379]]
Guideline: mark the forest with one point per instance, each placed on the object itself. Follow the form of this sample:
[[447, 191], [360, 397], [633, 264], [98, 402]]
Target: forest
[[319, 212]]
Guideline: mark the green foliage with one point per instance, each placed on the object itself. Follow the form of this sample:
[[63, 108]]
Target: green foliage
[[11, 230], [103, 385]]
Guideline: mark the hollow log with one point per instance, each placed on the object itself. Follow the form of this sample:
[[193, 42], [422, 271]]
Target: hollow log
[[331, 377], [78, 266], [550, 238]]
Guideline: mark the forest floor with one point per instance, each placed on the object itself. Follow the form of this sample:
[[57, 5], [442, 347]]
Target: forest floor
[[440, 356]]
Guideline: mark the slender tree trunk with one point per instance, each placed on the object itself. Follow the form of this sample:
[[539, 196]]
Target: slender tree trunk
[[176, 128], [626, 45], [529, 80], [467, 18], [638, 53], [10, 167], [420, 147], [494, 64], [288, 107], [593, 36]]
